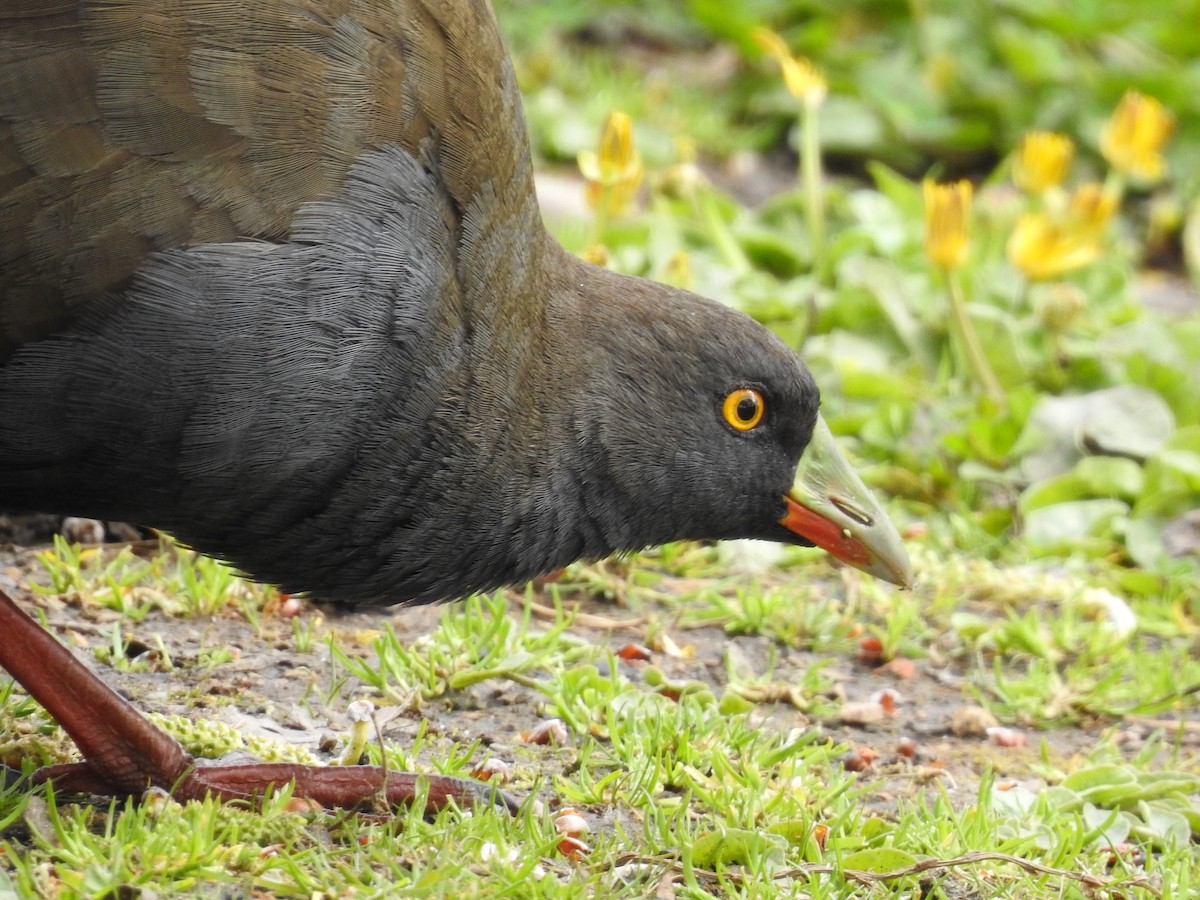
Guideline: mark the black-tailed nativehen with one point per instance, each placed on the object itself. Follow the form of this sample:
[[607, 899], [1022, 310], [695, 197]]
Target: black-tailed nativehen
[[273, 279]]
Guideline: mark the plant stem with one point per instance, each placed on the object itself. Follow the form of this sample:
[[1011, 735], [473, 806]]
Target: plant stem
[[719, 233], [966, 331], [810, 173], [600, 217]]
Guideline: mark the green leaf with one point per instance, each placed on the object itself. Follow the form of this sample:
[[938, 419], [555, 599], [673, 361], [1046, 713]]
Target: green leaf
[[1173, 476], [1121, 421], [1127, 421], [885, 283], [1144, 543], [906, 194], [1033, 53], [1060, 489], [733, 704], [1110, 827], [1184, 463], [875, 827], [794, 831], [736, 847], [1104, 775], [997, 333], [1068, 522], [1110, 476], [1164, 784], [878, 859], [1093, 477], [848, 125], [772, 251], [1163, 827]]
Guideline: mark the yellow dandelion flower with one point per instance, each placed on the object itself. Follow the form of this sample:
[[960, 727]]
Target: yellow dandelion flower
[[1133, 139], [1043, 248], [947, 244], [1042, 161], [947, 216], [1047, 245], [803, 79], [614, 172]]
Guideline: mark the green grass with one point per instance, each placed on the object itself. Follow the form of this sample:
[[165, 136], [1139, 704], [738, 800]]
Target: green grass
[[678, 779]]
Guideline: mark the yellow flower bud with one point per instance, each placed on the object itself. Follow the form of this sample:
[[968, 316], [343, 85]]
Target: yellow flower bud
[[947, 216], [1060, 306], [1043, 248], [683, 179], [1133, 139], [802, 78], [614, 172], [1042, 161], [597, 255]]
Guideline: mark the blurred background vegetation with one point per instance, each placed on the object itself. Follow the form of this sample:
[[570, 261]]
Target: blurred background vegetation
[[1080, 437], [914, 84]]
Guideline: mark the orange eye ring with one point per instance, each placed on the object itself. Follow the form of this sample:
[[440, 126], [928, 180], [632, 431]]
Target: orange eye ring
[[743, 408]]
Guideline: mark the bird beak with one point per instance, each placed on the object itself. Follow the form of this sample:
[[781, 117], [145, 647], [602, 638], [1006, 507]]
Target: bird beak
[[831, 507]]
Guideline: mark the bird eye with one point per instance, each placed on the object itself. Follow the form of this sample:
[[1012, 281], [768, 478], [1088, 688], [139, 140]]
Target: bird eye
[[743, 408]]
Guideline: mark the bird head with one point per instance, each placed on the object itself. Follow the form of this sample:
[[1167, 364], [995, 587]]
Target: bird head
[[705, 425]]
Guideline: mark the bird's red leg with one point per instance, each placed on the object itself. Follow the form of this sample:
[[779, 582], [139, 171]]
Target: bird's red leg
[[124, 753], [122, 748]]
